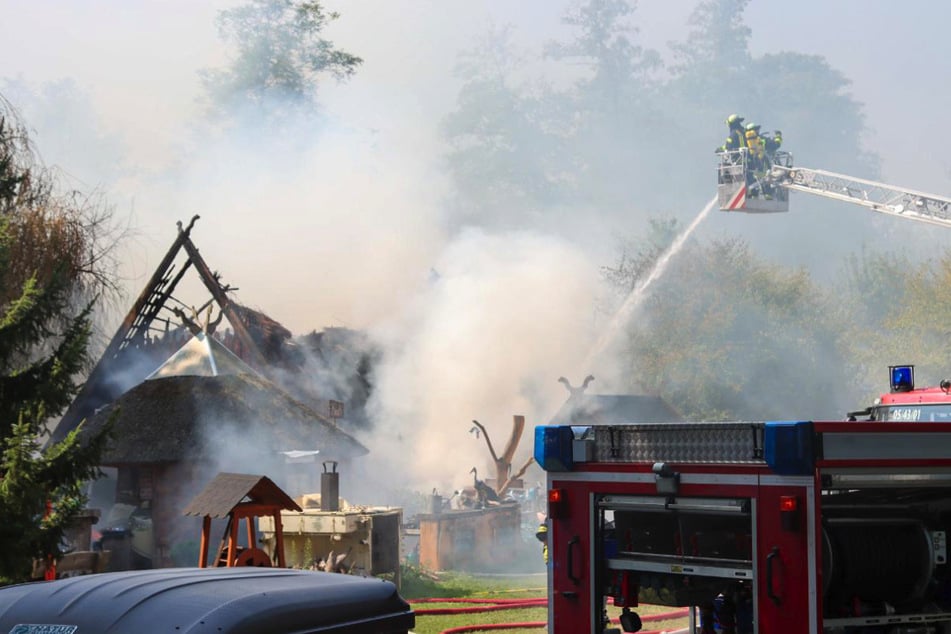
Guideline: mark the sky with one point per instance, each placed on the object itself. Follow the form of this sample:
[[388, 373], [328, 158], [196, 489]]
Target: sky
[[138, 59], [352, 235]]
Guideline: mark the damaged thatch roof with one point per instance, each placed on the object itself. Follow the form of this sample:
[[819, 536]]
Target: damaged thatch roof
[[146, 335], [267, 333], [176, 417]]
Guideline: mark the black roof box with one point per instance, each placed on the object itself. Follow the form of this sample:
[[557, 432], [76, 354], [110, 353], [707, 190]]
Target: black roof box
[[198, 600]]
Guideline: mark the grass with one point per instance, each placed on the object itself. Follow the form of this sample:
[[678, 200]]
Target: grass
[[418, 584]]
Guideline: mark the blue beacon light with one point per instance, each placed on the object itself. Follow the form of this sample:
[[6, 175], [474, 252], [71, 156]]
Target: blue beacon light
[[788, 447], [902, 378], [553, 447]]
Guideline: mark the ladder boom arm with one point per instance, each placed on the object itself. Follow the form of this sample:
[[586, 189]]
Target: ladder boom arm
[[886, 199]]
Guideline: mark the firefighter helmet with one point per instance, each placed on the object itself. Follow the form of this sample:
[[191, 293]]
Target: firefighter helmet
[[734, 119]]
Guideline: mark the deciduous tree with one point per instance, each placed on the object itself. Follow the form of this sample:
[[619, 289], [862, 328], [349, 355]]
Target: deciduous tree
[[726, 335], [279, 55]]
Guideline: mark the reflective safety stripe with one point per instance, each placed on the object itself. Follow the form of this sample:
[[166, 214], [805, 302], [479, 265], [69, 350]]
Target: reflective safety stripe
[[739, 200]]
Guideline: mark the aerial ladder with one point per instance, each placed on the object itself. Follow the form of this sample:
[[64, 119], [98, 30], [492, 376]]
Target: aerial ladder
[[740, 187]]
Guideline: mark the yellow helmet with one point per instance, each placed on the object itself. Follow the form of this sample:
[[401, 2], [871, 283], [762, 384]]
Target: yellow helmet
[[734, 119]]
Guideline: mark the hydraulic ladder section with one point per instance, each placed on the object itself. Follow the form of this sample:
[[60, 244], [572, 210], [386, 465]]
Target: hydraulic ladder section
[[895, 201]]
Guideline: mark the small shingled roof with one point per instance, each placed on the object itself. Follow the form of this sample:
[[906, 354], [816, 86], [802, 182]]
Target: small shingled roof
[[228, 490]]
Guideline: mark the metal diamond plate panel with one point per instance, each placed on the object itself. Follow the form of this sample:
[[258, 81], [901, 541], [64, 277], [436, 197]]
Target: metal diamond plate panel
[[734, 442]]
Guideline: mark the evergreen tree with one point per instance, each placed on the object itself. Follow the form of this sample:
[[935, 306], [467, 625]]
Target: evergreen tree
[[44, 331]]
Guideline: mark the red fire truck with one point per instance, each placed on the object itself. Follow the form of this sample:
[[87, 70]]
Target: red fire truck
[[766, 527], [908, 403]]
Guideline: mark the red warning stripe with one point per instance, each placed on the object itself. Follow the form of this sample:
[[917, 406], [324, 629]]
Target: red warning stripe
[[739, 200]]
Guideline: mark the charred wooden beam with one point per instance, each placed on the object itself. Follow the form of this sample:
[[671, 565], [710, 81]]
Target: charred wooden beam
[[224, 302]]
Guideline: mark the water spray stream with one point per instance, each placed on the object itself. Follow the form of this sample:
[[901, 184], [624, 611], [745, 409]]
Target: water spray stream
[[639, 292]]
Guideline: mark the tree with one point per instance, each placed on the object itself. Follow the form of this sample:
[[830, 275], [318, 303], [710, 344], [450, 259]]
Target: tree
[[506, 148], [605, 44], [50, 274], [718, 43], [725, 335], [902, 313], [524, 149], [613, 104], [279, 56]]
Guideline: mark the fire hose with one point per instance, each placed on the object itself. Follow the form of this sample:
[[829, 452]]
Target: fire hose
[[493, 605]]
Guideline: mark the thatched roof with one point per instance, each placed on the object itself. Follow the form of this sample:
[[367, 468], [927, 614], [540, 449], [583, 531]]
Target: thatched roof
[[173, 418], [269, 335], [228, 489]]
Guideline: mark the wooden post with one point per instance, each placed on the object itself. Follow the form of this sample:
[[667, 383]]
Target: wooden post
[[205, 536], [233, 543], [250, 521], [279, 538]]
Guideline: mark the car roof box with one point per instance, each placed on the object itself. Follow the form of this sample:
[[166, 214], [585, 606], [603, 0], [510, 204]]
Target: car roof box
[[196, 600]]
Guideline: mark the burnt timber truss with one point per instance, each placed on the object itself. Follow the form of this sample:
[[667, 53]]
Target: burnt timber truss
[[151, 309]]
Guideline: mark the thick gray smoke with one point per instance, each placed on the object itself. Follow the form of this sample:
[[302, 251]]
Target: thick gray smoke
[[349, 227], [500, 318]]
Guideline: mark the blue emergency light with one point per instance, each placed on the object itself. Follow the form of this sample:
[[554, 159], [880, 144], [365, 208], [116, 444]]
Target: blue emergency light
[[902, 378], [553, 451], [788, 447]]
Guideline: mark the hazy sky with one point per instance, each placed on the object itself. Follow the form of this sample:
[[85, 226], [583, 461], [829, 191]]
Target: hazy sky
[[138, 58], [351, 234]]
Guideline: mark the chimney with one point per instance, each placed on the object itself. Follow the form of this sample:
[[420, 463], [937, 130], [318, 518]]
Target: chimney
[[330, 487]]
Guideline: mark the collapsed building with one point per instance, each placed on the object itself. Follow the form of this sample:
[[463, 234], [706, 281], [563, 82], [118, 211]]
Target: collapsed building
[[192, 394], [196, 389]]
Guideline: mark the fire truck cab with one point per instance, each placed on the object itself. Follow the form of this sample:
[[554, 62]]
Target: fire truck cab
[[906, 402], [768, 527]]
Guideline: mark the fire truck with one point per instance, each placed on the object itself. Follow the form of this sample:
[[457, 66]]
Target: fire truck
[[787, 527], [906, 402]]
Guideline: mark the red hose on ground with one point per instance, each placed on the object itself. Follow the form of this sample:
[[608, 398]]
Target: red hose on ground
[[513, 604], [494, 626], [471, 600], [514, 626], [494, 605]]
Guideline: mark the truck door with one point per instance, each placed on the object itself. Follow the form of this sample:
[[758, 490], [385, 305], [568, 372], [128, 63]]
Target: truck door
[[786, 579]]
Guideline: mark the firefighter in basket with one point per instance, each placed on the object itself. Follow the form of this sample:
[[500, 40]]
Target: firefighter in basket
[[736, 139], [758, 165]]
